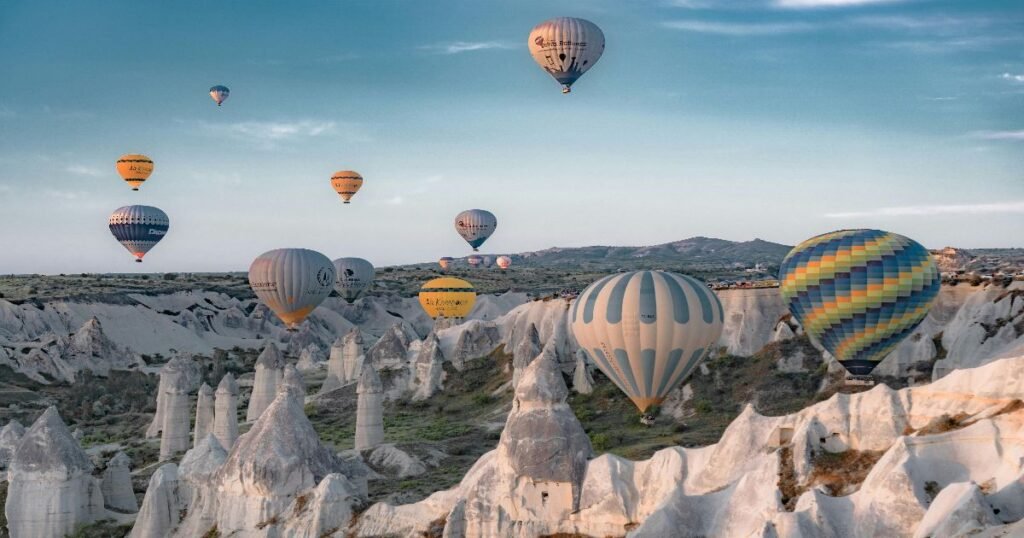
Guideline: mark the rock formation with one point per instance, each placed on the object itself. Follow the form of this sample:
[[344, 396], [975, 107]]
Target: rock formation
[[582, 381], [51, 489], [225, 417], [196, 476], [269, 371], [345, 362], [205, 410], [162, 507], [476, 339], [10, 435], [428, 372], [750, 317], [390, 350], [524, 352], [117, 485], [180, 370], [174, 437], [369, 409], [311, 358]]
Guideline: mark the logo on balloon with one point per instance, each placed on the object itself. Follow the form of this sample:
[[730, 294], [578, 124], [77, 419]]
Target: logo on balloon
[[539, 41], [324, 277]]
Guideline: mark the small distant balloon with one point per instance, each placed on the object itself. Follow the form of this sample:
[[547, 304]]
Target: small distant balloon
[[566, 48], [138, 228], [475, 226], [292, 282], [504, 262], [445, 262], [353, 276], [220, 94], [447, 297], [134, 168], [475, 261], [346, 183], [488, 261]]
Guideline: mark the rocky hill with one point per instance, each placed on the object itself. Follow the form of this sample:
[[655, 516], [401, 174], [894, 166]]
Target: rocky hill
[[692, 252]]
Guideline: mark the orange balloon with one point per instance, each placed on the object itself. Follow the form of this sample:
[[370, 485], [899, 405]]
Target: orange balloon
[[346, 183], [134, 168]]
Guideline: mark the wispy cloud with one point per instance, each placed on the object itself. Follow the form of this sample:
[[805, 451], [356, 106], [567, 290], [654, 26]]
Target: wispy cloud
[[817, 4], [927, 210], [999, 135], [63, 194], [1012, 78], [457, 47], [84, 170], [740, 29], [270, 133]]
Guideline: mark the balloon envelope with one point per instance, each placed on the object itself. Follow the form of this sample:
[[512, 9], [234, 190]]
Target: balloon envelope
[[346, 183], [352, 277], [445, 262], [292, 282], [859, 292], [134, 168], [566, 48], [138, 228], [504, 262], [220, 94], [447, 297], [475, 226], [475, 261], [647, 330]]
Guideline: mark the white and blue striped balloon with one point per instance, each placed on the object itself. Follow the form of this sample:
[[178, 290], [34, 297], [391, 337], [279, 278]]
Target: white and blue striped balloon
[[647, 330]]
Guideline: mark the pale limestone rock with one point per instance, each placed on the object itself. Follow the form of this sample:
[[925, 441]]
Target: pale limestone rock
[[335, 367], [174, 437], [205, 411], [390, 350], [395, 462], [181, 369], [782, 332], [225, 417], [428, 371], [352, 356], [269, 371], [476, 339], [960, 509], [524, 352], [117, 484], [582, 381], [162, 506], [195, 480], [10, 435], [51, 489], [311, 358], [326, 509], [293, 384], [369, 409], [751, 315]]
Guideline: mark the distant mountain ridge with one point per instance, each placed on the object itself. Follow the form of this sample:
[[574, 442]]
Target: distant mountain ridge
[[693, 251]]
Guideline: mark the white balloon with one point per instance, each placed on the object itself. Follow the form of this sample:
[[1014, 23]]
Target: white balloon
[[352, 277], [475, 226], [566, 48], [292, 282], [647, 330]]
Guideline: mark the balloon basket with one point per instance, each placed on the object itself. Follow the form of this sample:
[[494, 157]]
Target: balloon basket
[[647, 420], [858, 381]]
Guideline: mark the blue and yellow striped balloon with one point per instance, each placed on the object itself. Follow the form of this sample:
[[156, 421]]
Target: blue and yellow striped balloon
[[647, 330], [859, 292]]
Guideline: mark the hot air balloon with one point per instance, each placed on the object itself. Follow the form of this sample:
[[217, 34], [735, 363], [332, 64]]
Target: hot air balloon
[[138, 228], [488, 261], [134, 168], [220, 94], [352, 277], [475, 226], [474, 261], [566, 48], [504, 262], [292, 282], [647, 331], [859, 292], [445, 262], [346, 183], [447, 297]]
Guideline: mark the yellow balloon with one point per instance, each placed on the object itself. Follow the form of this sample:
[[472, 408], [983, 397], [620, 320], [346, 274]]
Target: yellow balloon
[[134, 168], [346, 183], [447, 297]]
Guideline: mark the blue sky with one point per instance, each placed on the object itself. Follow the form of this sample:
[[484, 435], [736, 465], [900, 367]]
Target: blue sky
[[777, 119]]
